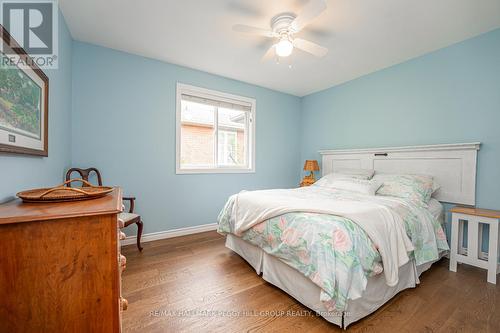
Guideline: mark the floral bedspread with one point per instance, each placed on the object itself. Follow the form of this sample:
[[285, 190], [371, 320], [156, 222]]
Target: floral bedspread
[[334, 252]]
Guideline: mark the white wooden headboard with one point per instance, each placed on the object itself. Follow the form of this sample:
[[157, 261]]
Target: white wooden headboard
[[452, 165]]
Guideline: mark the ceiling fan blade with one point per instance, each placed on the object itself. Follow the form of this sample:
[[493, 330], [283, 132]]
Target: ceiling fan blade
[[310, 47], [253, 30], [270, 53], [310, 11]]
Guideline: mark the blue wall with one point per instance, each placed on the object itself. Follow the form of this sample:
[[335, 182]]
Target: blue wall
[[18, 172], [451, 95], [124, 124]]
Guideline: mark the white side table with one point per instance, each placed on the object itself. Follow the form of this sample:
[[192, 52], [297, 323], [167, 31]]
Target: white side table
[[475, 217]]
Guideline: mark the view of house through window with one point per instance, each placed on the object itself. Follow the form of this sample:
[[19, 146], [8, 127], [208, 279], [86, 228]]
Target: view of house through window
[[214, 134]]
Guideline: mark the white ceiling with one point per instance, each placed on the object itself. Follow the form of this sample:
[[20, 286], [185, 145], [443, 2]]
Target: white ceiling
[[362, 36]]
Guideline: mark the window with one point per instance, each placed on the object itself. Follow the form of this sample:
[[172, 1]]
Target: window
[[215, 131]]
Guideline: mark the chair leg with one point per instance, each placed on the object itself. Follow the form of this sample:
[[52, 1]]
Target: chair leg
[[139, 234]]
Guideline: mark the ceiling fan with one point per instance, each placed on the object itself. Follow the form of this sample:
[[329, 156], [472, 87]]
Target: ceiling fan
[[283, 28]]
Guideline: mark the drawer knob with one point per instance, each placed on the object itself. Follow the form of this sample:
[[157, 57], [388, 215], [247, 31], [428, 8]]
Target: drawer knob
[[123, 262], [123, 303]]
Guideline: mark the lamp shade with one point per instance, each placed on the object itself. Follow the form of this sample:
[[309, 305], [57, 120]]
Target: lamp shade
[[311, 165]]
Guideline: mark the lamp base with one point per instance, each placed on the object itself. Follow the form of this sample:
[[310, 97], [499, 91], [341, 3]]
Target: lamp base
[[308, 180]]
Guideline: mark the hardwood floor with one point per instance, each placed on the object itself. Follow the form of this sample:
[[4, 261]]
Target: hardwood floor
[[198, 273]]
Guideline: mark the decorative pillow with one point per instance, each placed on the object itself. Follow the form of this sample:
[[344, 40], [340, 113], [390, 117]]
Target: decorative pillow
[[362, 186], [354, 173], [418, 188]]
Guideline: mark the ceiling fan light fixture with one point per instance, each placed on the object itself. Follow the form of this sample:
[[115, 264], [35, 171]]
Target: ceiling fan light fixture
[[284, 47], [284, 26]]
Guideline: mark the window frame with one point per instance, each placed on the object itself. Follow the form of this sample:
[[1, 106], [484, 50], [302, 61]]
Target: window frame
[[203, 92], [226, 135]]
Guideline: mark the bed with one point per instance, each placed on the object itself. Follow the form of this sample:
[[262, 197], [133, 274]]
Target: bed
[[369, 266]]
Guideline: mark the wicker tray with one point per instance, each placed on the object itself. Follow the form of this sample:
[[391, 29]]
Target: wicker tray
[[62, 193]]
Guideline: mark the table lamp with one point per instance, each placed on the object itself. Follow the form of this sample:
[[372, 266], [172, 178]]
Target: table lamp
[[310, 165]]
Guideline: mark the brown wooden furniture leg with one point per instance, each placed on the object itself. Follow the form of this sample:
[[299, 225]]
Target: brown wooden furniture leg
[[139, 234]]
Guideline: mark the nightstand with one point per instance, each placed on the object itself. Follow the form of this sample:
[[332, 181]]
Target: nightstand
[[475, 218]]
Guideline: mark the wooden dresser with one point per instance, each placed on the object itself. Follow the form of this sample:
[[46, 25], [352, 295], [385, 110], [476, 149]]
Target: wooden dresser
[[60, 266]]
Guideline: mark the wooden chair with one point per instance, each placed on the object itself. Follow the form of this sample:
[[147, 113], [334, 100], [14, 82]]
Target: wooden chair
[[127, 218]]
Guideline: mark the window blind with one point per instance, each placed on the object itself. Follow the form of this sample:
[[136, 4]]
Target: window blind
[[217, 101]]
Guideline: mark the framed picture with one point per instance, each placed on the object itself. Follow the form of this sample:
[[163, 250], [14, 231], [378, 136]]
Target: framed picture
[[24, 101]]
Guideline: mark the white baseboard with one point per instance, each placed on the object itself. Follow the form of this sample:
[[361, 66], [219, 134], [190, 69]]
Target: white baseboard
[[170, 233]]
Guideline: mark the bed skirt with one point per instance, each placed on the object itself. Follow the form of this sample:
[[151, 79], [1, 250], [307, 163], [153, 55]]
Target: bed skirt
[[295, 284]]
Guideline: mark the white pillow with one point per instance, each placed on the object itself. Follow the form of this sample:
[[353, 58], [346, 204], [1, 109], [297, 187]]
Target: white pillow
[[361, 186], [354, 173]]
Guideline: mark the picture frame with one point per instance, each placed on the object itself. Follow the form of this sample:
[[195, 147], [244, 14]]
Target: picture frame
[[24, 101]]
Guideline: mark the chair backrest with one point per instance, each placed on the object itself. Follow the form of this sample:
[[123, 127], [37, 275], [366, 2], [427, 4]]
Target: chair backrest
[[84, 174]]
